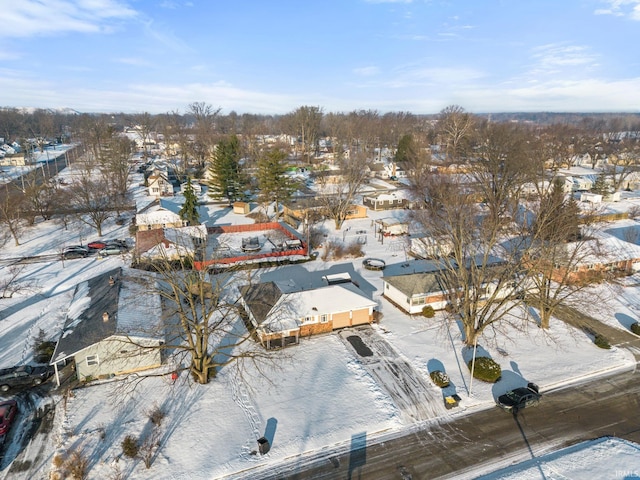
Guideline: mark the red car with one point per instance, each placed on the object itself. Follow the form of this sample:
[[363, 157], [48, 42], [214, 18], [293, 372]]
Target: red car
[[97, 245], [8, 411]]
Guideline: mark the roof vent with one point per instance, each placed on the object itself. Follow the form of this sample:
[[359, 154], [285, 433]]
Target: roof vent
[[112, 280], [105, 317]]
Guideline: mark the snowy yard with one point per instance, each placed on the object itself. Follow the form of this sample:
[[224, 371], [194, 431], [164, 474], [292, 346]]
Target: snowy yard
[[321, 395]]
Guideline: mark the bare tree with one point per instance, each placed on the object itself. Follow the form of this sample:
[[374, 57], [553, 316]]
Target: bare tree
[[204, 130], [479, 271], [455, 126], [12, 284], [91, 201], [204, 321], [352, 174], [12, 206], [560, 242]]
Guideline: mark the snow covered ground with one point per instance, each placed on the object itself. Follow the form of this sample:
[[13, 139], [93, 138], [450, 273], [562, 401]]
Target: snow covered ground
[[322, 392]]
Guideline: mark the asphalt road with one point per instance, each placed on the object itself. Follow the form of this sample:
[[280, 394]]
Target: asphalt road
[[470, 446]]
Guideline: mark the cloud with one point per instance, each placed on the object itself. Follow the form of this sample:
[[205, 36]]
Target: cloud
[[366, 71], [26, 18], [552, 58], [136, 62], [621, 8]]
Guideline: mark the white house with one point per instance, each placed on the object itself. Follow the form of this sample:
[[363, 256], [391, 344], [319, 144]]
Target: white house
[[161, 213], [281, 317]]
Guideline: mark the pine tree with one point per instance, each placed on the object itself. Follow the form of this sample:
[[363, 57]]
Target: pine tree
[[274, 185], [189, 211], [225, 178], [601, 186]]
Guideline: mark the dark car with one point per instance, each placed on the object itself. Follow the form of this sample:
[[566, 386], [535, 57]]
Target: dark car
[[515, 400], [23, 375], [8, 411], [75, 251]]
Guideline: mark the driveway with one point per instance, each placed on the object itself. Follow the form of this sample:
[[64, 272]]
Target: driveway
[[416, 398]]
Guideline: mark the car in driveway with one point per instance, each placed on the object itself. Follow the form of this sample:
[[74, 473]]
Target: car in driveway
[[515, 400], [112, 249], [23, 375], [74, 251], [8, 412]]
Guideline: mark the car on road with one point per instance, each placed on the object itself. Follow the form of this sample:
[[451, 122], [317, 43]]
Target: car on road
[[23, 375], [8, 411], [112, 249], [515, 400], [74, 251]]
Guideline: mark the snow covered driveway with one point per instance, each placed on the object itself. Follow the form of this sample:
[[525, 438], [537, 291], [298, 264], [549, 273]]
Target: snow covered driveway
[[416, 398]]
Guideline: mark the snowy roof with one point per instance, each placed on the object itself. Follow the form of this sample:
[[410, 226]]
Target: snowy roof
[[277, 311], [115, 302], [164, 211]]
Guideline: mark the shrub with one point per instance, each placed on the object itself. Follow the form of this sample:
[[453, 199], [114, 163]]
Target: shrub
[[77, 465], [601, 341], [440, 378], [485, 369], [130, 446], [635, 328], [428, 311], [42, 349], [156, 415]]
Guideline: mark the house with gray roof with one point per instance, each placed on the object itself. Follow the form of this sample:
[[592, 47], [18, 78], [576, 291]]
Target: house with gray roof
[[281, 316], [113, 325]]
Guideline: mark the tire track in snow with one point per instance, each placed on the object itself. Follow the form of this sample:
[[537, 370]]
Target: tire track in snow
[[416, 398]]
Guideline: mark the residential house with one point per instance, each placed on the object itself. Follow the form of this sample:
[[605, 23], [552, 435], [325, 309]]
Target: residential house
[[281, 316], [159, 185], [385, 201], [161, 213], [172, 243], [599, 257], [113, 325], [415, 284]]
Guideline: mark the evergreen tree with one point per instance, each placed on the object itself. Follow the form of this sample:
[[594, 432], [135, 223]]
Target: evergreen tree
[[601, 186], [274, 185], [224, 169], [407, 149], [189, 211]]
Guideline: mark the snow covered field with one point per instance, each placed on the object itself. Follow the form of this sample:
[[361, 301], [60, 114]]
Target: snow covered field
[[321, 395]]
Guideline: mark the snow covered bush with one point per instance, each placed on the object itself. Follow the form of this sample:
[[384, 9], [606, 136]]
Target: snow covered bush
[[635, 328], [440, 378], [428, 311], [486, 369]]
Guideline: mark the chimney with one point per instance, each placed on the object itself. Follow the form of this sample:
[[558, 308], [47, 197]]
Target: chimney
[[105, 317]]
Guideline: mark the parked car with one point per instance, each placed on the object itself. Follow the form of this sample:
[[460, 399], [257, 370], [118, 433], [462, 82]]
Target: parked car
[[112, 249], [74, 251], [96, 245], [515, 400], [23, 375], [8, 411]]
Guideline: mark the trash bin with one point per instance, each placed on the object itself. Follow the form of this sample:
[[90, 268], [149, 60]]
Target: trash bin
[[263, 445]]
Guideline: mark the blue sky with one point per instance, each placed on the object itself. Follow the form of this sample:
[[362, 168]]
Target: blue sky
[[272, 56]]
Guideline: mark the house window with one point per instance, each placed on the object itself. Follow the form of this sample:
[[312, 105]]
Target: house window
[[308, 319], [92, 360], [419, 300], [387, 286], [324, 319]]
